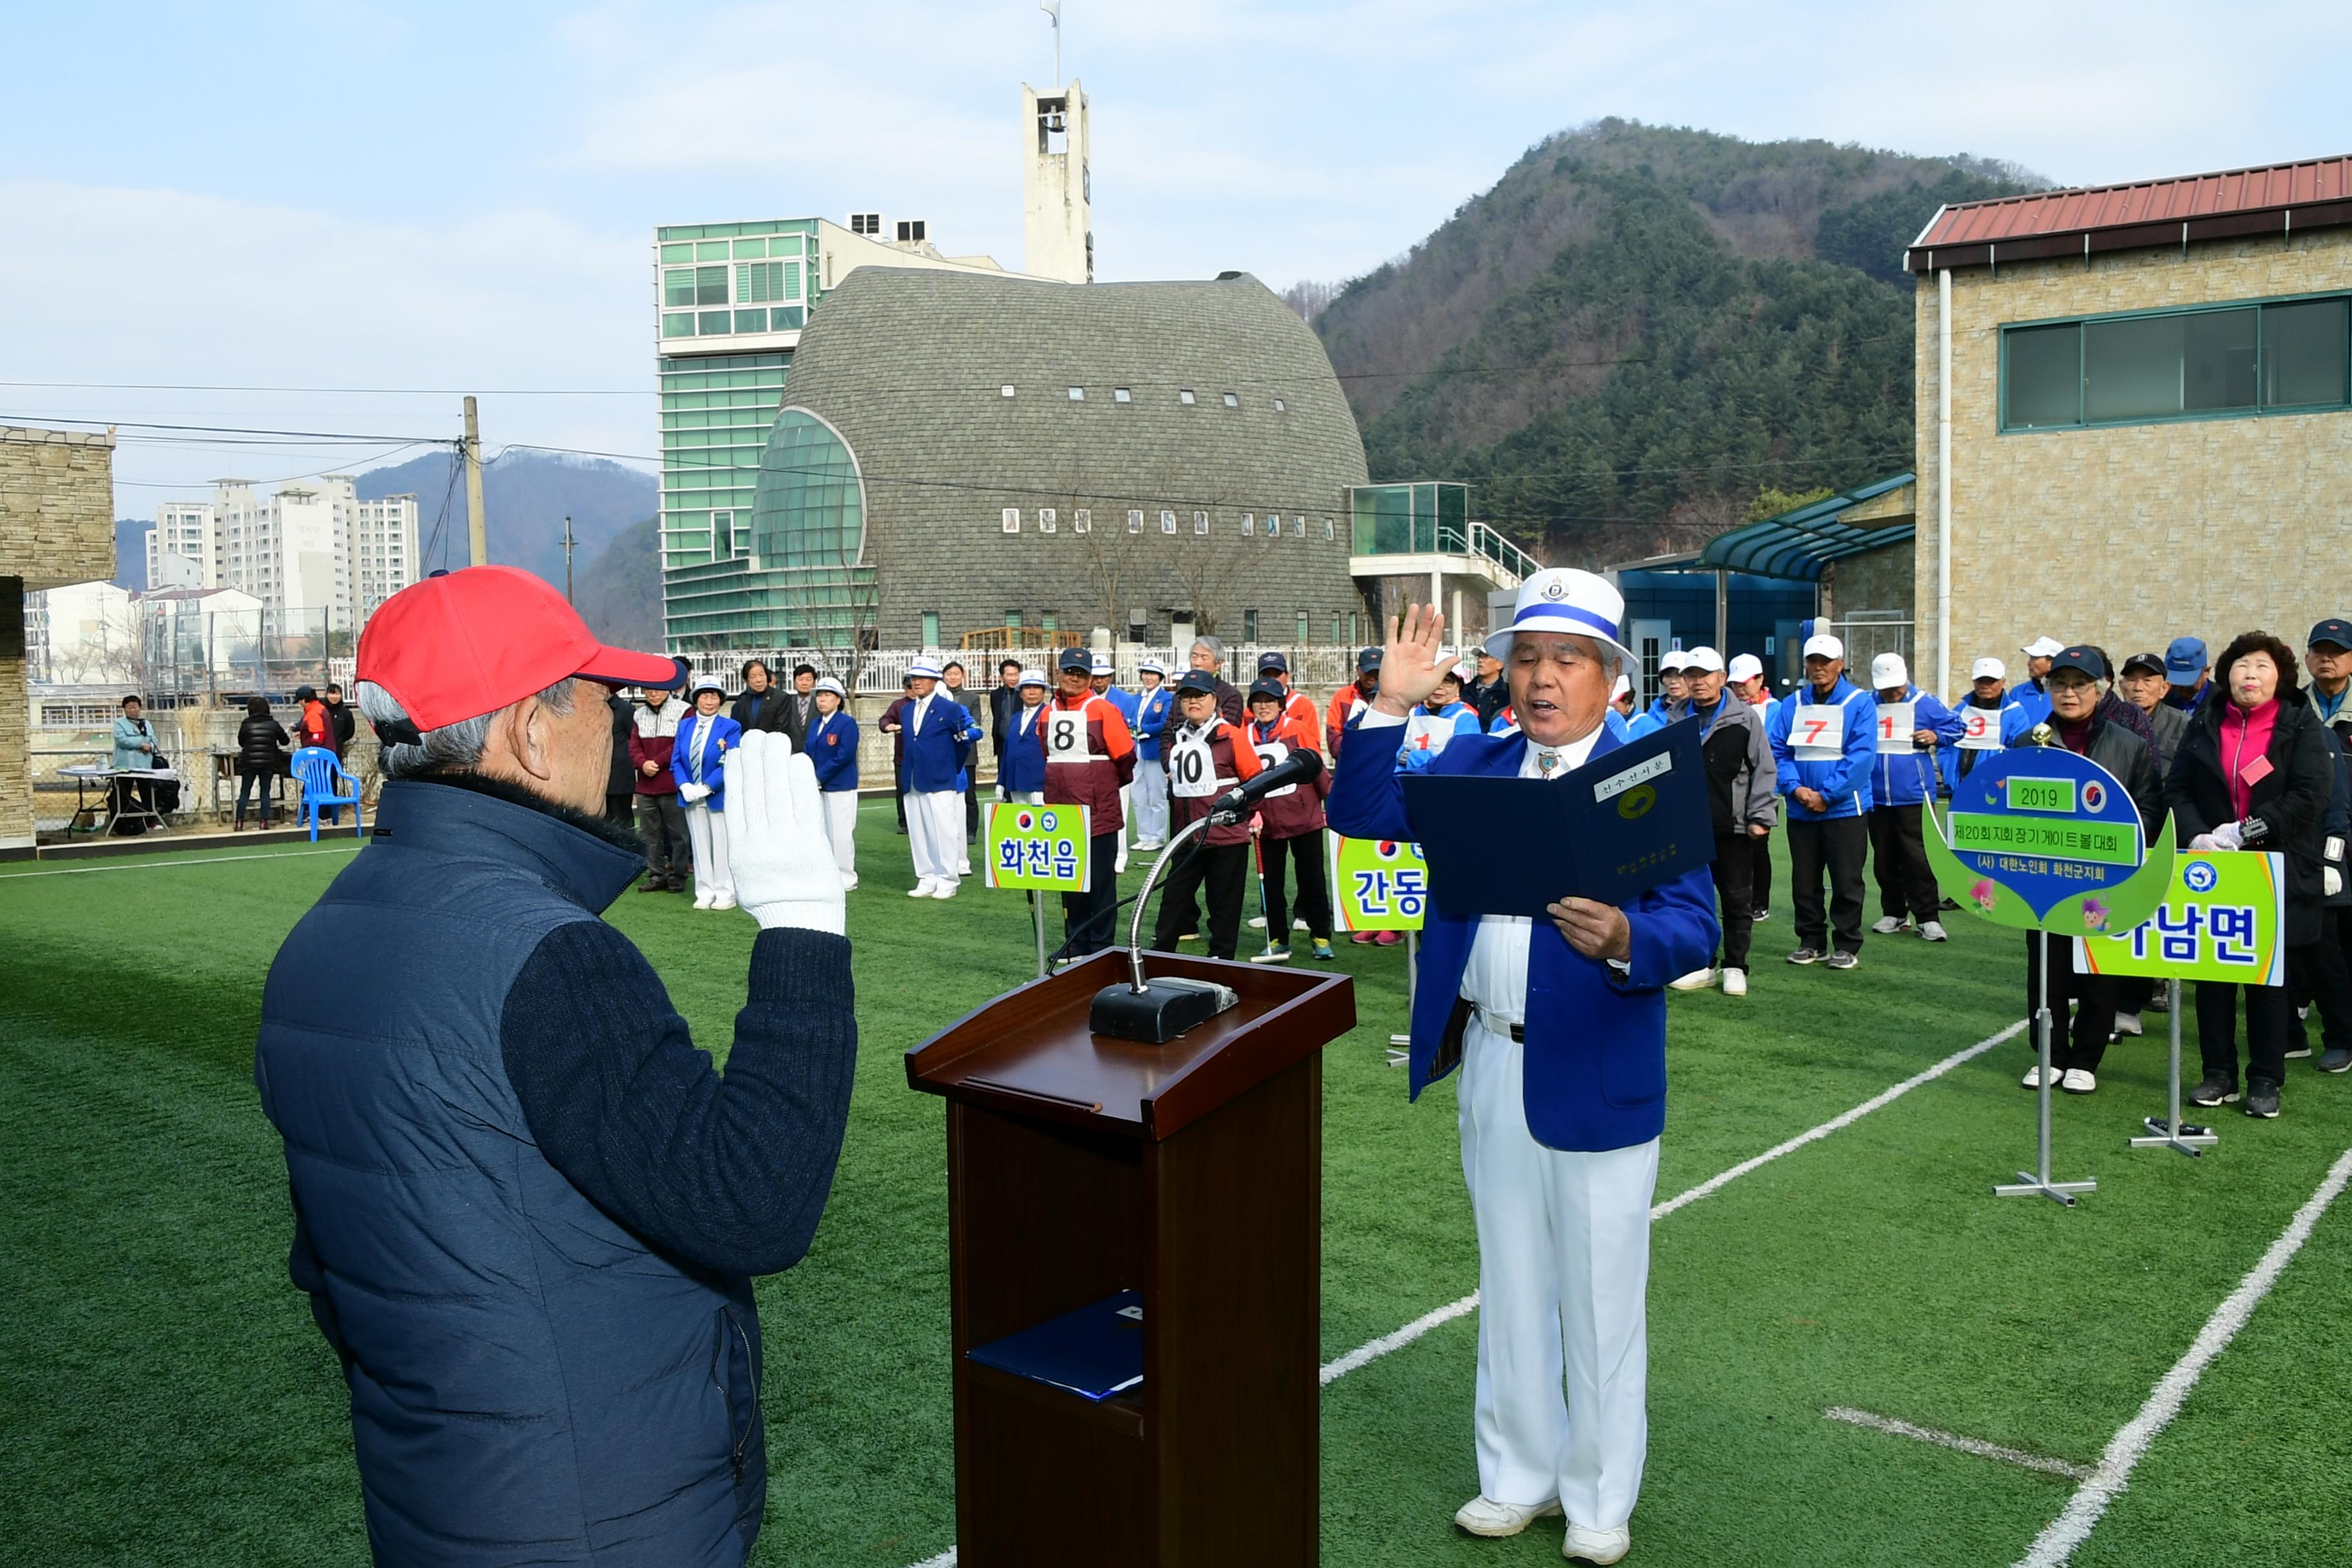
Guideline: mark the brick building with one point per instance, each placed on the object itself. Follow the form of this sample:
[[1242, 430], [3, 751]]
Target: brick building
[[56, 526], [2152, 379]]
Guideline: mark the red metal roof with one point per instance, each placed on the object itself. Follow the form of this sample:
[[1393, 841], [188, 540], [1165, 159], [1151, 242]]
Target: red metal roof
[[2147, 212]]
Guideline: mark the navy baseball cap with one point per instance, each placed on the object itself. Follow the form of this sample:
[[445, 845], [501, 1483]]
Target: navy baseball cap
[[2082, 657], [2151, 662], [1076, 659], [1268, 661], [2332, 629], [1197, 682], [1368, 660], [2185, 660], [1270, 690]]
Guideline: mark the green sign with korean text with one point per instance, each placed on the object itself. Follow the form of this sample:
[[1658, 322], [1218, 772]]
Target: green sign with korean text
[[1378, 884], [2221, 918], [1038, 846]]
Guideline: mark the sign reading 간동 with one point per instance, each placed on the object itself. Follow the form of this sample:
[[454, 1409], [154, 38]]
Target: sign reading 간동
[[2221, 918], [1378, 884], [1040, 847]]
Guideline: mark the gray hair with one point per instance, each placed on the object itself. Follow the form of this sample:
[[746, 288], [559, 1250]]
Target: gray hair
[[1216, 649], [452, 747]]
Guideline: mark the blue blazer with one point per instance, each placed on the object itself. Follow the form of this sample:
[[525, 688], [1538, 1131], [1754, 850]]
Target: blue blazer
[[832, 746], [935, 758], [1151, 718], [697, 757], [1022, 770], [1595, 1074]]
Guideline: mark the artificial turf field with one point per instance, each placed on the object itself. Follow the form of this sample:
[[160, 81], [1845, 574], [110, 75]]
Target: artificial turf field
[[166, 1399]]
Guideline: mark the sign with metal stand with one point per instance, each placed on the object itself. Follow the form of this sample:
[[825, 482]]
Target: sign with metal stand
[[1040, 849], [2039, 839], [2224, 919], [1384, 885]]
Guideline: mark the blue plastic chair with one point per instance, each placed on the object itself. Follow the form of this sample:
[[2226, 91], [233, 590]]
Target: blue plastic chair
[[315, 768]]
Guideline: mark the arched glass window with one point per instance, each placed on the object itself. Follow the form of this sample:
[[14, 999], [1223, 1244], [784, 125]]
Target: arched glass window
[[810, 507]]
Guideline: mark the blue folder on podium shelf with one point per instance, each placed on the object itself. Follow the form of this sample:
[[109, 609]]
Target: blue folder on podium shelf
[[1095, 1352], [1610, 830]]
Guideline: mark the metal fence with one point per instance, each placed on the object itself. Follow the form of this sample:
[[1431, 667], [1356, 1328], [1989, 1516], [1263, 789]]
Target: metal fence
[[1314, 667], [1867, 636]]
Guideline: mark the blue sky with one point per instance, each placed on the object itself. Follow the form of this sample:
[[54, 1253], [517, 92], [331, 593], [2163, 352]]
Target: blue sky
[[326, 193]]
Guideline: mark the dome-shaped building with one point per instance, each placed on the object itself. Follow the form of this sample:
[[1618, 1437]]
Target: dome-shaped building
[[960, 453]]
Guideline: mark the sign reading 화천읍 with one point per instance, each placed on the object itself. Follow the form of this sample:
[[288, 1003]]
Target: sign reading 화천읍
[[2042, 839], [2222, 919], [1041, 846], [1378, 884]]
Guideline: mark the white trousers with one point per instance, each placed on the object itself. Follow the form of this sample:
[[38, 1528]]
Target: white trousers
[[841, 827], [935, 833], [707, 830], [1148, 795], [1563, 1280]]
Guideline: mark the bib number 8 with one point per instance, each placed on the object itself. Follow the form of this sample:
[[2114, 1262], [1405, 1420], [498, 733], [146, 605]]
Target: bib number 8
[[1065, 738]]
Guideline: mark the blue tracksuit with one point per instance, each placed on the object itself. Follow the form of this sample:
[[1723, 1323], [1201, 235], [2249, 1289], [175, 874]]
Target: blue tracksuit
[[1898, 778], [1022, 770], [2013, 727], [832, 746], [2032, 700], [1844, 781], [702, 743]]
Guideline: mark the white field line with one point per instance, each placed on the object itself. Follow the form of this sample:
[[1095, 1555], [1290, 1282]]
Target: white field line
[[1976, 1445], [160, 865], [2057, 1542], [944, 1560]]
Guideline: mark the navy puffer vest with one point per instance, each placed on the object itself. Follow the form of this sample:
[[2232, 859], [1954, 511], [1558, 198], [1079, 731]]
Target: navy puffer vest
[[529, 1382]]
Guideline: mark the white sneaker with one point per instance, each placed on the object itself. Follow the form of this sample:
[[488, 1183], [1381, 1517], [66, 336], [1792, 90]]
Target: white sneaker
[[945, 887], [1734, 982], [849, 881], [965, 868], [1887, 925], [924, 888], [1141, 847], [1118, 864], [2128, 1024], [1932, 930], [2078, 1080], [1257, 922], [2032, 1079], [1482, 1515], [723, 901], [1697, 980], [703, 897], [1584, 1544], [1298, 924]]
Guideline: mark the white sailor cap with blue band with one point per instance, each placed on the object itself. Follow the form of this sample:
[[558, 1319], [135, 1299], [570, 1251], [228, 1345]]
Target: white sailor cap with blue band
[[1151, 666], [708, 683], [1031, 678], [1571, 603], [828, 683], [923, 667]]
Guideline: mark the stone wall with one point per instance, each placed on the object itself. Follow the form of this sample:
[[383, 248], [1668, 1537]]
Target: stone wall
[[56, 526], [2130, 535], [1876, 580]]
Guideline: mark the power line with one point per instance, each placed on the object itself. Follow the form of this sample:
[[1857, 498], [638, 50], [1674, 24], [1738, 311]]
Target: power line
[[308, 435]]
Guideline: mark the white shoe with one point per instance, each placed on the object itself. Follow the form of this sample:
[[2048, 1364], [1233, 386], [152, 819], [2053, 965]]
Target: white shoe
[[1932, 930], [2032, 1079], [1734, 982], [1298, 924], [924, 888], [1143, 848], [704, 898], [1118, 864], [1257, 922], [849, 881], [2128, 1024], [1482, 1515], [964, 870], [1602, 1546], [1887, 925], [2078, 1080], [1697, 980], [945, 887], [723, 901]]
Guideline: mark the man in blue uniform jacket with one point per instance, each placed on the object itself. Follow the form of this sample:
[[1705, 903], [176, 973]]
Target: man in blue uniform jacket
[[1824, 743], [1560, 1028]]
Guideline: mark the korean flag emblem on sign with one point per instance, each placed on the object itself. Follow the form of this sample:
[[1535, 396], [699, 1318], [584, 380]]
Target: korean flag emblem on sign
[[1024, 822], [2095, 795]]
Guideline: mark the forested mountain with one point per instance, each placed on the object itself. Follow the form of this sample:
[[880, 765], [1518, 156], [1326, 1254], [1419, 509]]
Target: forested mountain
[[1638, 327], [526, 496]]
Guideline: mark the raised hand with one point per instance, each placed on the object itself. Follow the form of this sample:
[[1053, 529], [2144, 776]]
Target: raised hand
[[776, 843], [1413, 661]]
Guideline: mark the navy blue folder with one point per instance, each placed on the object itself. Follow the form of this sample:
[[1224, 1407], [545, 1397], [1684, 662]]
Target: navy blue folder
[[1096, 1351], [1611, 830]]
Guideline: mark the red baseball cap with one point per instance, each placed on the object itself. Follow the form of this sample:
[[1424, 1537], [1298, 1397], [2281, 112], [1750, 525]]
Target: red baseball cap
[[462, 644]]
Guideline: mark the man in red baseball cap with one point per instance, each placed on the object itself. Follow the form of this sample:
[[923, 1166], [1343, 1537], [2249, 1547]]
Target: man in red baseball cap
[[527, 1209]]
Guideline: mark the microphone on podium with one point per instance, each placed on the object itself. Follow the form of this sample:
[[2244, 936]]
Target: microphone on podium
[[1156, 1011]]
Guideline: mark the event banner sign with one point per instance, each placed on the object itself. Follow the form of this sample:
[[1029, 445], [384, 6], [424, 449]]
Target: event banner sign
[[1039, 846], [2039, 838], [2223, 919], [1378, 884]]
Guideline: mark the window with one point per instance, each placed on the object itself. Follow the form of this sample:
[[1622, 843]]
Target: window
[[865, 223], [1331, 528], [759, 282], [1048, 623], [1272, 524], [1004, 390], [1200, 522], [1298, 526], [680, 325], [931, 628], [1184, 395], [752, 248], [712, 324], [722, 535], [678, 285], [751, 321], [1049, 520], [1011, 519], [1167, 522], [1335, 628], [1120, 395], [1077, 394], [709, 286], [1280, 406], [1302, 627], [1232, 401], [1013, 618], [1134, 522], [1082, 521], [1249, 524], [2176, 365], [1249, 625], [910, 231]]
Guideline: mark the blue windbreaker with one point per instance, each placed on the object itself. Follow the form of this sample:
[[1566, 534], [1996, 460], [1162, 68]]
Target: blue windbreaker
[[1906, 778], [1844, 781]]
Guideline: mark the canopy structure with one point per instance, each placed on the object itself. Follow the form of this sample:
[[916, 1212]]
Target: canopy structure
[[1802, 540]]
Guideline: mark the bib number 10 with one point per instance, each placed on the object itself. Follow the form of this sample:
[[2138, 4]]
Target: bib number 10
[[1189, 773]]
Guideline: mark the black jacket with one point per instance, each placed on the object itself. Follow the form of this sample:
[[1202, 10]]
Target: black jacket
[[1004, 703], [624, 777], [2289, 799], [1489, 697], [342, 723], [1229, 704], [773, 707], [260, 746]]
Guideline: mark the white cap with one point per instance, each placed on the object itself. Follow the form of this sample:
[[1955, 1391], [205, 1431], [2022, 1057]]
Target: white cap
[[1565, 600], [1705, 659], [923, 667], [1463, 669], [1988, 670], [708, 683], [2044, 647], [1032, 677], [1151, 666], [1886, 672], [1673, 658], [1101, 666], [1745, 666], [1826, 646], [1625, 688], [827, 683]]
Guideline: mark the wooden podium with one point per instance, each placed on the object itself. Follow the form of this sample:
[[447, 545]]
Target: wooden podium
[[1079, 1166]]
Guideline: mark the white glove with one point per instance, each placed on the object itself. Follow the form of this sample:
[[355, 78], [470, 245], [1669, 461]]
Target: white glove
[[692, 792], [2230, 835], [776, 843], [2203, 841], [2331, 880]]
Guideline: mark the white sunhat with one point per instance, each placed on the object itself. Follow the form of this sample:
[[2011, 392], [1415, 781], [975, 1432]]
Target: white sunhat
[[923, 667], [1565, 600], [1824, 644], [1673, 658], [1151, 666], [708, 683], [1886, 672], [2044, 647], [1988, 670], [827, 683], [1745, 667], [1705, 659], [1101, 666], [1033, 677]]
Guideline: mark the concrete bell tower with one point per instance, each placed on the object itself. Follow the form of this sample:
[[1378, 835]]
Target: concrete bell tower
[[1057, 189]]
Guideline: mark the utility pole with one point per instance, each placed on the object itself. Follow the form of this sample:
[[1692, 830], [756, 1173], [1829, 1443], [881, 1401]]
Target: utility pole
[[477, 527], [567, 560]]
